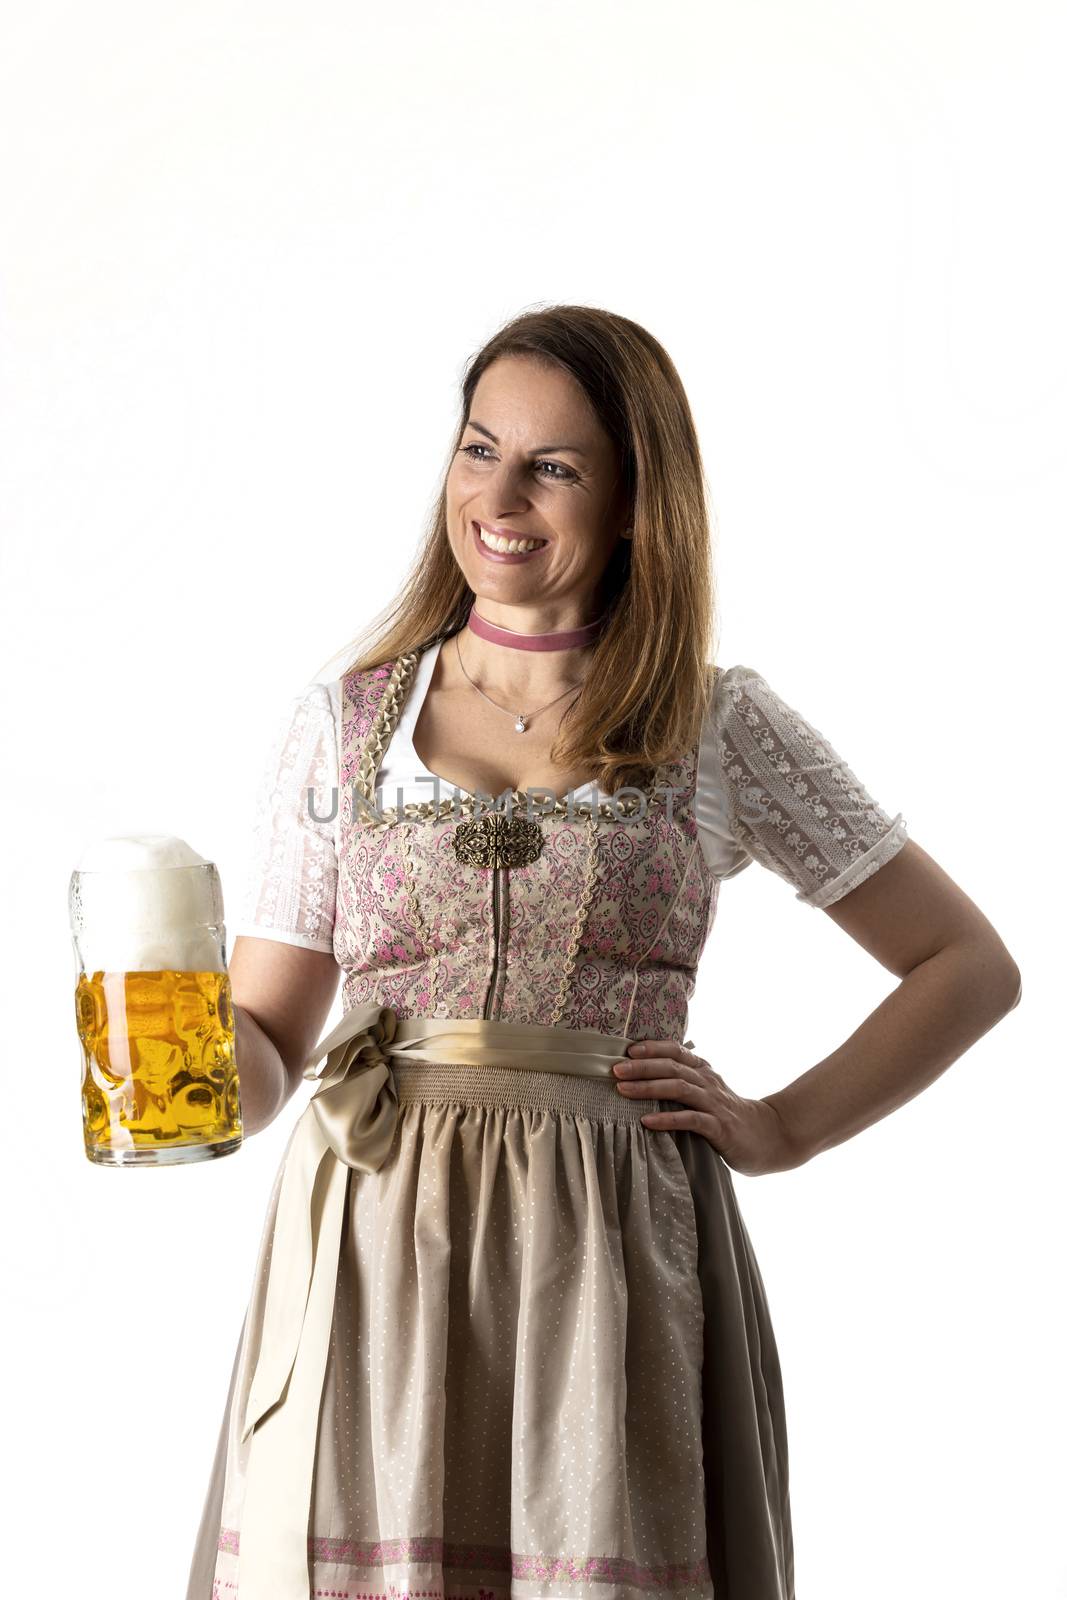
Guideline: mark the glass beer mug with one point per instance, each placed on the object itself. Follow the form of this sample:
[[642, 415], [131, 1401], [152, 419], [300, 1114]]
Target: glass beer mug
[[152, 1002]]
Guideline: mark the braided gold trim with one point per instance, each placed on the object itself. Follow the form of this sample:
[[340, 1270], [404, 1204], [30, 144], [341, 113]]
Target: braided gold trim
[[584, 901], [384, 722], [462, 803]]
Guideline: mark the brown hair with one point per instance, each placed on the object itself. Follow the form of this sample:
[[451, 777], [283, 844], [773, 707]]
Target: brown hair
[[648, 688]]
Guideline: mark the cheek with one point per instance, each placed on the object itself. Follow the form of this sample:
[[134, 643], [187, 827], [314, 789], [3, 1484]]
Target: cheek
[[455, 500], [459, 489]]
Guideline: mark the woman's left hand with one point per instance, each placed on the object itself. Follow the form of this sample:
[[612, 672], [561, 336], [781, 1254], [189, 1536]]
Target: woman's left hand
[[748, 1134]]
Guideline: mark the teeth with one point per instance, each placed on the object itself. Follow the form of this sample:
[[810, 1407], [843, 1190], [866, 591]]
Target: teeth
[[508, 546]]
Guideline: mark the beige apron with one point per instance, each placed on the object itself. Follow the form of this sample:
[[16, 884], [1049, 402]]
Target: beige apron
[[349, 1122]]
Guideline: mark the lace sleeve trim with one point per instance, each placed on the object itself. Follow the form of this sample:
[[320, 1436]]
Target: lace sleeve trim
[[792, 803], [290, 888], [861, 869], [255, 930]]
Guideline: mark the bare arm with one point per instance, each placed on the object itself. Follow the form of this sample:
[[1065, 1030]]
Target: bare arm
[[282, 995], [958, 980]]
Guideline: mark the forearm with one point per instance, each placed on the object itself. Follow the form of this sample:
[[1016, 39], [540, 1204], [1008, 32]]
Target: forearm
[[265, 1085], [933, 1016]]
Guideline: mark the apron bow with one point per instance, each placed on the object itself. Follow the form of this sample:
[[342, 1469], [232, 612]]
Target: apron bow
[[355, 1103]]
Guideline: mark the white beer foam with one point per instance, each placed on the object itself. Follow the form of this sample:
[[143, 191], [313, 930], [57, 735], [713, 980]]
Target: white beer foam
[[147, 905], [138, 851]]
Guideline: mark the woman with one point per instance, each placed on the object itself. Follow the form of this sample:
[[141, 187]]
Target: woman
[[507, 1334]]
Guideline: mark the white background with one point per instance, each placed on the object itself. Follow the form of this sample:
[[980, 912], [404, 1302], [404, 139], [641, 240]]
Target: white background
[[246, 251]]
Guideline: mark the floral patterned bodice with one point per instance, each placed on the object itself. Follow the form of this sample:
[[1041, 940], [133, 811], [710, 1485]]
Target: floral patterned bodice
[[603, 929], [603, 925]]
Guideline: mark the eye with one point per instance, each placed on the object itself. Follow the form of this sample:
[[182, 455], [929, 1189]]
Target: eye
[[560, 473]]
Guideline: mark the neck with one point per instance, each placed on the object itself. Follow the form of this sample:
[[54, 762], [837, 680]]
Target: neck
[[519, 679]]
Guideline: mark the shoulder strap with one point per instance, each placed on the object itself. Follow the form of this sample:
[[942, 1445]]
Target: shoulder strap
[[371, 703]]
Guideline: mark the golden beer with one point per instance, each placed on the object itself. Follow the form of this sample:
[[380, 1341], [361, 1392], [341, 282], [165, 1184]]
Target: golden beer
[[152, 1004], [159, 1078]]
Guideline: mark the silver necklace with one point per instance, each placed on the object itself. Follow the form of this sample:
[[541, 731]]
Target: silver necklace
[[521, 717]]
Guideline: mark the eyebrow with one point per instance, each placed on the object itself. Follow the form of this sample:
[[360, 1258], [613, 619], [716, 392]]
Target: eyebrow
[[540, 450]]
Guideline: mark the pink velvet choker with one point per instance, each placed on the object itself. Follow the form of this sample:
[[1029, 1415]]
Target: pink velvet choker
[[567, 639]]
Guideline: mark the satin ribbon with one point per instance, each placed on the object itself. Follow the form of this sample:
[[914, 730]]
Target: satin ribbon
[[348, 1124]]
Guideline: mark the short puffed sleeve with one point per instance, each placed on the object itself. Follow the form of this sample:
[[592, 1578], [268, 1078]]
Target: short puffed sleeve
[[773, 789], [290, 885]]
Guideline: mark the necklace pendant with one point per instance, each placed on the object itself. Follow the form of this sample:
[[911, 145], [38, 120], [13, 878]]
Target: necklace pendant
[[520, 726]]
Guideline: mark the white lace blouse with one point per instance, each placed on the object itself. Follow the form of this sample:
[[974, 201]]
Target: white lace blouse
[[769, 788]]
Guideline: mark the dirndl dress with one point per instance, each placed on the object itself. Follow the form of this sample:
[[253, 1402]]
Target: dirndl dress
[[504, 1339]]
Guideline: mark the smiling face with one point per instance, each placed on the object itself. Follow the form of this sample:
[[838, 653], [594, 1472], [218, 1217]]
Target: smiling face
[[534, 467]]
